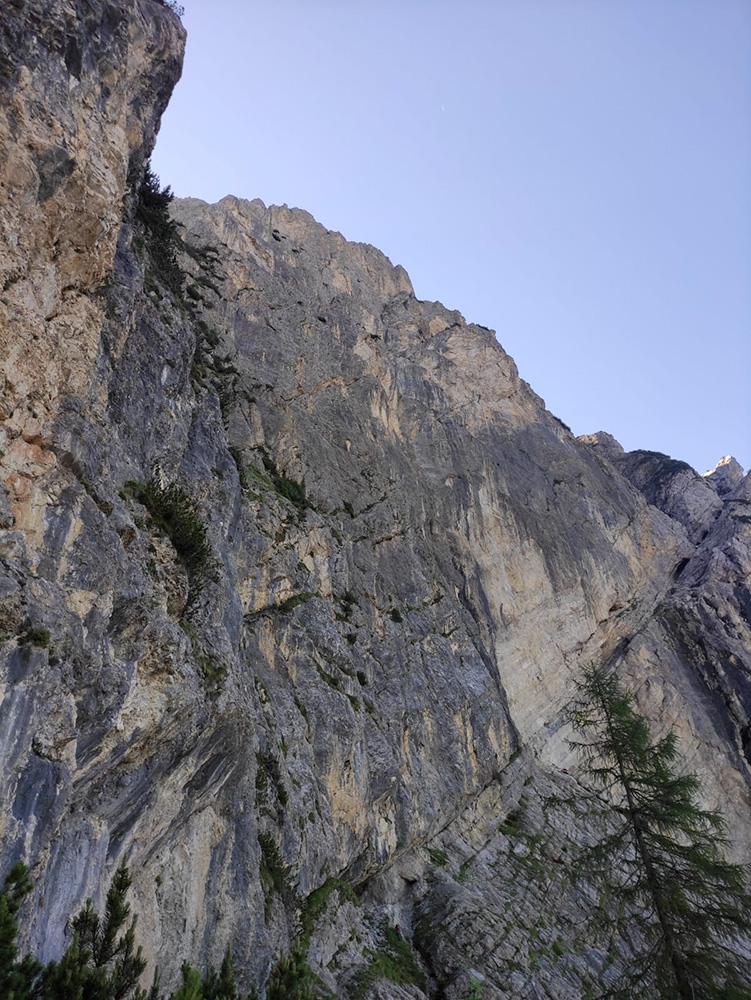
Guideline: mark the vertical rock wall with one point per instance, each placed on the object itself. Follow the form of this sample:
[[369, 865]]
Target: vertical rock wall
[[323, 724]]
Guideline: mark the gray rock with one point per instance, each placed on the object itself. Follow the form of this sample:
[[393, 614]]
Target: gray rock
[[343, 623], [725, 476]]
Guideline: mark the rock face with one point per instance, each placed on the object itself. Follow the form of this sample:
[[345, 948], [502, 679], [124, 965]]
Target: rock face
[[82, 89], [725, 476], [297, 573]]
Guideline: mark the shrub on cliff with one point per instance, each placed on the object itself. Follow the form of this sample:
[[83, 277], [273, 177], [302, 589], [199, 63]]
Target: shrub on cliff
[[175, 513], [159, 230]]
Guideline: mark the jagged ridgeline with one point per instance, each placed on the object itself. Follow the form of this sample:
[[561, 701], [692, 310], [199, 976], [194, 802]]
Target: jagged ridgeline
[[297, 579]]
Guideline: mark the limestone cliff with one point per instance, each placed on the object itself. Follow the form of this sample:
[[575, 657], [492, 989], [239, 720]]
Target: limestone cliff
[[406, 560]]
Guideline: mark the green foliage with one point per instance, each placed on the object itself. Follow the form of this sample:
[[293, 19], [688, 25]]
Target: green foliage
[[174, 511], [38, 637], [159, 230], [241, 473], [275, 874], [661, 464], [291, 978], [286, 487], [295, 601], [437, 856], [661, 865], [396, 616], [268, 769], [348, 603], [212, 670], [102, 961], [394, 961], [191, 987], [316, 904], [473, 990], [222, 986], [512, 825], [16, 978], [464, 868]]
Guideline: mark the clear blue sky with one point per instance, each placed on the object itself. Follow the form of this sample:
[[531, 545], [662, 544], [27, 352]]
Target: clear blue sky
[[575, 174]]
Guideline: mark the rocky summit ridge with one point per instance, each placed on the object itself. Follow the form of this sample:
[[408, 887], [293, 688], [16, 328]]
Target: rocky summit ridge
[[297, 573]]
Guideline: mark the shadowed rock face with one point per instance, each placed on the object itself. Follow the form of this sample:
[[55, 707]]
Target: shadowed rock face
[[410, 560]]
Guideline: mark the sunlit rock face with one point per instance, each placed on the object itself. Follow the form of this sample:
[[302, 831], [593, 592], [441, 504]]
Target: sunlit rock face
[[82, 90], [726, 475], [410, 561]]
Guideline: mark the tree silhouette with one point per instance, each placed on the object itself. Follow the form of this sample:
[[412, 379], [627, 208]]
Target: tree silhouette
[[661, 863]]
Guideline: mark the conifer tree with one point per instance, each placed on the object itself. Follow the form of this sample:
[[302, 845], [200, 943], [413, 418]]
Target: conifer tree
[[16, 978], [221, 985], [160, 229], [290, 978], [191, 987], [102, 961], [662, 861]]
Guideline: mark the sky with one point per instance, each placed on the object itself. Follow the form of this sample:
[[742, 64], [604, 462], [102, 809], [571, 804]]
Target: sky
[[573, 174]]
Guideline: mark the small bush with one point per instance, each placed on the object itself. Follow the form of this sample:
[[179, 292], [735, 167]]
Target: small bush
[[464, 870], [275, 874], [437, 856], [212, 670], [291, 490], [38, 637], [268, 768], [159, 230], [286, 487], [291, 978], [512, 825], [316, 903], [242, 474], [394, 961], [174, 511], [295, 601], [473, 990]]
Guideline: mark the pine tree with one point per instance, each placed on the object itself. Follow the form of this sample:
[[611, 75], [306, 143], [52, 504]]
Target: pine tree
[[191, 987], [662, 863], [16, 978], [102, 961], [159, 229], [221, 985], [291, 978]]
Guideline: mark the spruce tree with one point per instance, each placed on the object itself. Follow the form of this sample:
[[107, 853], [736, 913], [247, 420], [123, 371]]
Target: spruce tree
[[661, 863], [102, 961], [291, 978], [221, 985], [191, 987], [16, 978], [159, 229]]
